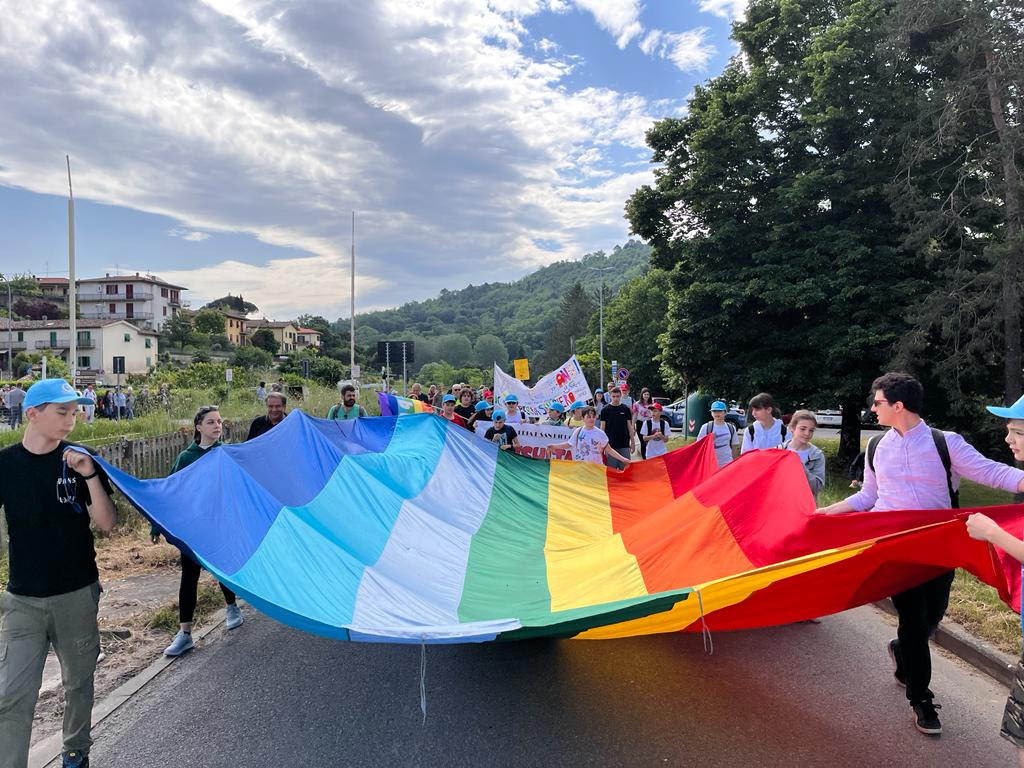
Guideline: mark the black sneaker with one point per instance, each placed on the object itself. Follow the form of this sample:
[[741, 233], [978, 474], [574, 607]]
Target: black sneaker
[[926, 719], [897, 667], [75, 759]]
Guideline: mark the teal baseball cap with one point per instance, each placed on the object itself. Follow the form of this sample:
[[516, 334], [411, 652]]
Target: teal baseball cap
[[52, 391], [1015, 411], [719, 405], [511, 399], [448, 399], [556, 406], [483, 405], [499, 415]]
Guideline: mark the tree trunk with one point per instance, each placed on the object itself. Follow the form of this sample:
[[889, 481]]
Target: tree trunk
[[1012, 257], [849, 437]]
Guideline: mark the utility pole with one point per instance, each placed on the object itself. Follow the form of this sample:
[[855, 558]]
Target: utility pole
[[72, 288], [10, 328], [601, 322], [352, 307]]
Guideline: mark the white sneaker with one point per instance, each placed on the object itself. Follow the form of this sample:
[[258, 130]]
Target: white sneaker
[[182, 642], [233, 616]]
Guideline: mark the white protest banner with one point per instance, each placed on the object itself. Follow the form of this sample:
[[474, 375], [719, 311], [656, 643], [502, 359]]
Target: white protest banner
[[534, 439], [565, 385]]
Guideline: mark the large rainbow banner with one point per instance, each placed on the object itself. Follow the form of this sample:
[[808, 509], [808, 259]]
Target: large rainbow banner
[[409, 529]]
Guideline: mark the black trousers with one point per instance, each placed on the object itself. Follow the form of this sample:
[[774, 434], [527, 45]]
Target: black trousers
[[920, 610], [188, 590]]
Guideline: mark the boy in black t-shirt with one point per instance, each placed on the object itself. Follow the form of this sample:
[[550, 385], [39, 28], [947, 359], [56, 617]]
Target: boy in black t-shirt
[[501, 433], [50, 491]]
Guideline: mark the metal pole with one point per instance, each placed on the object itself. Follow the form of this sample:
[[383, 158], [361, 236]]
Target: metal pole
[[387, 368], [352, 309], [602, 338], [10, 330], [72, 288], [405, 377]]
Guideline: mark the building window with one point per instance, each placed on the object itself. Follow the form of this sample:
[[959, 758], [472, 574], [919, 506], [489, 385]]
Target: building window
[[163, 292], [112, 308], [149, 343], [21, 335], [128, 337], [149, 362], [165, 311], [84, 362], [112, 290]]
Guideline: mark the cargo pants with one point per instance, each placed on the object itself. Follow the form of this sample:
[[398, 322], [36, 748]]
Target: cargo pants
[[28, 626]]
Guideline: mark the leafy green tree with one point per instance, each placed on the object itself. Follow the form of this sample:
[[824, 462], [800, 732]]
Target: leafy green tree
[[788, 268], [209, 321], [252, 358], [441, 373], [453, 348], [264, 339], [571, 323], [178, 330], [489, 350], [633, 320], [234, 303], [38, 309]]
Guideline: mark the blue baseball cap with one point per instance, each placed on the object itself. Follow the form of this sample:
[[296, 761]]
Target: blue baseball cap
[[598, 390], [511, 399], [577, 405], [483, 405], [556, 407], [499, 414], [1015, 411], [448, 399], [719, 405], [52, 391]]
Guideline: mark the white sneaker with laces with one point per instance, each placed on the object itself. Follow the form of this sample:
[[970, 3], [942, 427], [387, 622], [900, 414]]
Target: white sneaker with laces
[[182, 642], [233, 616]]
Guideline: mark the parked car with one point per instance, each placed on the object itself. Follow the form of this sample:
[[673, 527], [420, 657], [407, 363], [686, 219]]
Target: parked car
[[676, 414], [831, 417]]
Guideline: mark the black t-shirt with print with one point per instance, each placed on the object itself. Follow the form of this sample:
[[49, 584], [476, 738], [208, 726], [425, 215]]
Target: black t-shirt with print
[[505, 435], [465, 411], [51, 546], [616, 420]]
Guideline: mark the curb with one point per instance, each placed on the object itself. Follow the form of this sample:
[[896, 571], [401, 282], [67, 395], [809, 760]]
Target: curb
[[981, 655], [50, 749]]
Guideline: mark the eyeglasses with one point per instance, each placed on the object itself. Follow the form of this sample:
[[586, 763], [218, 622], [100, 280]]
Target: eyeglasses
[[67, 492], [877, 403]]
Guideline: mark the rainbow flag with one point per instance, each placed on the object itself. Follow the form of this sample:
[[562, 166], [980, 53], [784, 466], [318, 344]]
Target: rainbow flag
[[413, 530], [393, 405]]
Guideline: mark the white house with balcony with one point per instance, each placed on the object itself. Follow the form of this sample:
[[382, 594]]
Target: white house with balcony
[[103, 345], [143, 300]]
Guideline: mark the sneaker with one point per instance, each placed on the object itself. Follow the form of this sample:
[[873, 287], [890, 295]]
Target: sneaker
[[182, 642], [897, 668], [233, 616], [926, 719], [75, 759]]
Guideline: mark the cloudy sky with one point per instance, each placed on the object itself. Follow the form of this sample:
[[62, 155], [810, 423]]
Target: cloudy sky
[[223, 144]]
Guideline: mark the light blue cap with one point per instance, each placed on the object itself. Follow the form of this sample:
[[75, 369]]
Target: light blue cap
[[483, 405], [1015, 411], [556, 406], [499, 414], [511, 399], [719, 405], [52, 391], [577, 405], [448, 399]]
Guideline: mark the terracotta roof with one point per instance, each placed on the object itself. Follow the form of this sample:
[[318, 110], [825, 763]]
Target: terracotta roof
[[257, 324], [231, 313], [309, 330], [37, 325], [136, 278], [52, 280]]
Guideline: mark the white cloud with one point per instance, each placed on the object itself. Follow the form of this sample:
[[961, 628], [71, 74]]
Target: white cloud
[[689, 51], [431, 120], [191, 235], [729, 9]]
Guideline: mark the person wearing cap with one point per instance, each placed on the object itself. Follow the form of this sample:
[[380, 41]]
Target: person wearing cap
[[481, 412], [555, 411], [913, 466], [513, 413], [51, 491], [654, 432], [590, 444], [15, 401], [575, 414], [724, 434], [448, 411], [501, 433]]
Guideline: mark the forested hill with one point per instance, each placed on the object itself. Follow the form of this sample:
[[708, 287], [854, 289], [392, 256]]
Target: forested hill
[[519, 313]]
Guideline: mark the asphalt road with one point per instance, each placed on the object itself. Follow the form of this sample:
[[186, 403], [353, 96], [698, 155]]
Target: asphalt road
[[800, 695]]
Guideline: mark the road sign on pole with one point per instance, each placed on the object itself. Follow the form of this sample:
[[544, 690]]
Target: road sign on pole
[[623, 374]]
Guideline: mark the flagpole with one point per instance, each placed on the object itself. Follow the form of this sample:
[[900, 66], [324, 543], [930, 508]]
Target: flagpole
[[352, 308], [72, 288]]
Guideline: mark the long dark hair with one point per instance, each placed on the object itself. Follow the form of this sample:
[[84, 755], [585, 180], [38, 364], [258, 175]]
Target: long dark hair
[[200, 415], [646, 391]]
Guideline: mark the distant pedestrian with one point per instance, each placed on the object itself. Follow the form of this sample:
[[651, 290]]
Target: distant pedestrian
[[416, 393], [514, 415], [654, 433], [348, 408], [15, 400], [129, 404], [465, 405], [599, 401], [261, 391], [90, 406], [802, 425], [766, 430], [53, 591], [276, 403], [913, 466], [642, 410], [206, 439], [724, 434], [617, 424], [120, 404]]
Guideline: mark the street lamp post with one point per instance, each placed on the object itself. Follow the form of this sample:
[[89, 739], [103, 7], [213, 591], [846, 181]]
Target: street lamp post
[[601, 318], [10, 328]]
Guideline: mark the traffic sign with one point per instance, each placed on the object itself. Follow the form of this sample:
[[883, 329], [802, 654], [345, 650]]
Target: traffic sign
[[623, 374]]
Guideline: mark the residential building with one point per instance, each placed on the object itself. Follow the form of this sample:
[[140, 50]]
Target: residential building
[[53, 289], [307, 338], [143, 300], [99, 343], [284, 331], [234, 326]]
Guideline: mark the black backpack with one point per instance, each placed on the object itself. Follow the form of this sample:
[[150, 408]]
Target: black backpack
[[939, 438], [711, 430]]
